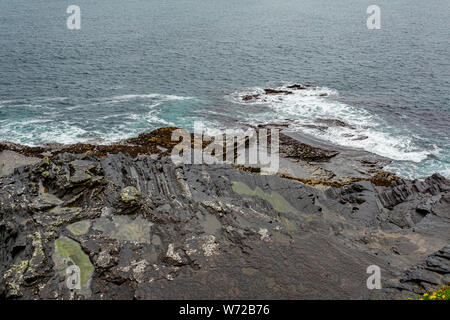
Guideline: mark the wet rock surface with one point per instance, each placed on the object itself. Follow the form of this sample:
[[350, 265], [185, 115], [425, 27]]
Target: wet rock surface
[[275, 91], [282, 91], [141, 227], [291, 148]]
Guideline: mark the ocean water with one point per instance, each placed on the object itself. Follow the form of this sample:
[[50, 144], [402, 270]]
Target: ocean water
[[137, 65]]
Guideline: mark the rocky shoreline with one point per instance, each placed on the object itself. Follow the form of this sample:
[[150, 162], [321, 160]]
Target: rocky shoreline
[[142, 227]]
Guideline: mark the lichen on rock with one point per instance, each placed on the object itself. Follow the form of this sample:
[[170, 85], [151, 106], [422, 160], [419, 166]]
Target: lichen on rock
[[130, 195], [14, 278]]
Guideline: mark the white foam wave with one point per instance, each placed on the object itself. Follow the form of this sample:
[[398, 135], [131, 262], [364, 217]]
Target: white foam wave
[[105, 127], [410, 170], [62, 132], [45, 99], [359, 128], [129, 97], [155, 99]]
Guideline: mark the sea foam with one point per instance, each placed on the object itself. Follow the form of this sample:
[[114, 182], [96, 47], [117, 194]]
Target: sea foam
[[307, 109]]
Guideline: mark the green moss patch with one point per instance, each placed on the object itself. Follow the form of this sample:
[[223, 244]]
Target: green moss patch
[[67, 249]]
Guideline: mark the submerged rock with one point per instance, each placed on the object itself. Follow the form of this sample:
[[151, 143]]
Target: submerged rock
[[251, 97], [334, 123], [274, 198], [123, 228]]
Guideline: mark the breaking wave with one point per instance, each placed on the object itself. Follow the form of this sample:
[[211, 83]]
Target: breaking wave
[[317, 112], [104, 119]]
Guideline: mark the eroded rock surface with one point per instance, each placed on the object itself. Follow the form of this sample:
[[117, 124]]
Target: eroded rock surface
[[146, 228]]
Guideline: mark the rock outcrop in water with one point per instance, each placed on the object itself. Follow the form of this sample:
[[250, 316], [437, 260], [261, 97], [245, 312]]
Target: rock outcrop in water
[[139, 226]]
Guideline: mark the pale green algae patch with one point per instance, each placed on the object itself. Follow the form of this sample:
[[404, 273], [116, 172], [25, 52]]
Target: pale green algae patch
[[79, 228], [121, 228], [124, 228], [278, 202], [68, 250]]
